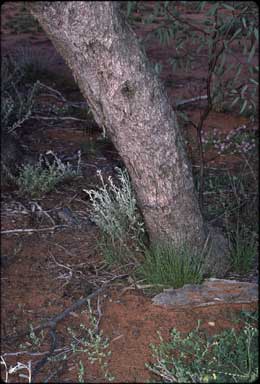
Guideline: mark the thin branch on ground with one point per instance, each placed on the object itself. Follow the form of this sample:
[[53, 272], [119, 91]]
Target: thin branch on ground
[[28, 230], [36, 117]]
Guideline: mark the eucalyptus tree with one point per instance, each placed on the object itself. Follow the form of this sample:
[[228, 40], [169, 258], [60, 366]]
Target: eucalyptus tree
[[129, 102]]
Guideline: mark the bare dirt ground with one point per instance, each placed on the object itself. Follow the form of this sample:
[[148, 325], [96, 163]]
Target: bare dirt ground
[[45, 272]]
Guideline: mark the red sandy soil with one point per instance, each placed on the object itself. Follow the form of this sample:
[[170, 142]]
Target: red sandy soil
[[45, 272]]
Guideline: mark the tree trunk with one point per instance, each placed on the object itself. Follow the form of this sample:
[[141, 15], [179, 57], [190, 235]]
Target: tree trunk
[[128, 100]]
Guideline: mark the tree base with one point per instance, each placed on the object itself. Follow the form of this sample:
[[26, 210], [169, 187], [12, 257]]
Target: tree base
[[217, 262]]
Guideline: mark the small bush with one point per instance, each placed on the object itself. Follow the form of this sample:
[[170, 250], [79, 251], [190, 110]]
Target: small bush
[[16, 101], [41, 178], [114, 210], [229, 357], [90, 341], [165, 264]]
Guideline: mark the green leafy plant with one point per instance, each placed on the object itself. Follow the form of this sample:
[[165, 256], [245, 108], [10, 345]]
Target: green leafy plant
[[224, 29], [93, 343], [229, 357], [42, 177], [170, 266], [34, 340]]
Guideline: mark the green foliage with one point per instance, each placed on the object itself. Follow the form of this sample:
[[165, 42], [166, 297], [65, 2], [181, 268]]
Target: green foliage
[[39, 179], [230, 196], [224, 31], [243, 249], [170, 266], [16, 100], [114, 210], [33, 339], [231, 201], [229, 357], [91, 341]]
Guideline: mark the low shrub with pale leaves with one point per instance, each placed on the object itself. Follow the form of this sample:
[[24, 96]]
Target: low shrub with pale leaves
[[38, 179], [114, 208]]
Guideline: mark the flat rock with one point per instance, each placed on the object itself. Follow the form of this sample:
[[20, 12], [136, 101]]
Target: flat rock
[[211, 292]]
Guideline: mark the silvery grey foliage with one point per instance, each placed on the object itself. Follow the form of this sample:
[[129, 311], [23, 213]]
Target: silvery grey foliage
[[114, 207]]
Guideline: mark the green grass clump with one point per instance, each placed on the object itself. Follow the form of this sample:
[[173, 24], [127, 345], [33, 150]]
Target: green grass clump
[[229, 357], [171, 266], [36, 180], [243, 249]]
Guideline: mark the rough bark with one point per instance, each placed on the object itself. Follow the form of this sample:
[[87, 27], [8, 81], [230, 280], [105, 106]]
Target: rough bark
[[128, 100]]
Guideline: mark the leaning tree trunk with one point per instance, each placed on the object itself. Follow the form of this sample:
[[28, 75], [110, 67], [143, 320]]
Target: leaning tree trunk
[[128, 100]]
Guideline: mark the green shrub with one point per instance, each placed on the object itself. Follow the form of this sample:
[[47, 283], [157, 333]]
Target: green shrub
[[36, 180], [165, 264], [229, 357], [92, 342]]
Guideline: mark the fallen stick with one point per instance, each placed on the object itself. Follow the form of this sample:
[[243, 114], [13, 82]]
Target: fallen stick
[[28, 230]]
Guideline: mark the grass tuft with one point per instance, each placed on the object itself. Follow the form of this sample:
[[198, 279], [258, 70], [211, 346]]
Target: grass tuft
[[164, 264], [243, 249]]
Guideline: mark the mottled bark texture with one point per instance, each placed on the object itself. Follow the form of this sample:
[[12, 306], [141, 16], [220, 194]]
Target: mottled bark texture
[[128, 100]]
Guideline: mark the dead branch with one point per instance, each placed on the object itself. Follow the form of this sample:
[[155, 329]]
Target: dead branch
[[28, 230]]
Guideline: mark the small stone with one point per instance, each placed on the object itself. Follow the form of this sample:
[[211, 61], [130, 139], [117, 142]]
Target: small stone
[[211, 323]]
